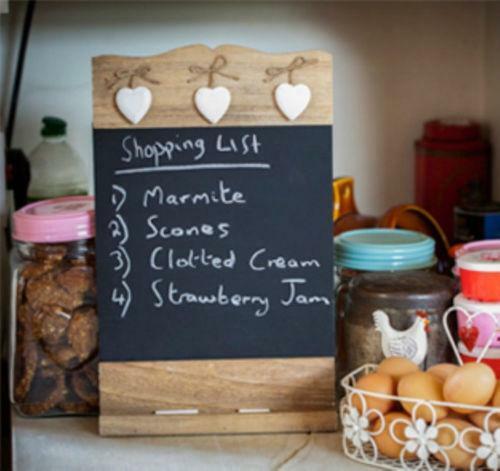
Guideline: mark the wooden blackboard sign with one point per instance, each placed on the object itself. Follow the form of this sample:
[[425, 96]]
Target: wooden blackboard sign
[[214, 244]]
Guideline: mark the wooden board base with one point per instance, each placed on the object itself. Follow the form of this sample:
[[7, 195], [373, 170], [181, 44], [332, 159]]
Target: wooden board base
[[130, 425], [159, 398]]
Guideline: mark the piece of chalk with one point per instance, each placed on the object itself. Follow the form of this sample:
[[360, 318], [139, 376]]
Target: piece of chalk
[[253, 411], [177, 412]]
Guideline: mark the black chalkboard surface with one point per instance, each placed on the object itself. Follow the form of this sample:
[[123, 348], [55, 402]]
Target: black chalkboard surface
[[214, 243]]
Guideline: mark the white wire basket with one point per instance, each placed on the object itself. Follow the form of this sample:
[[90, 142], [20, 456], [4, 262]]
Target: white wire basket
[[419, 438]]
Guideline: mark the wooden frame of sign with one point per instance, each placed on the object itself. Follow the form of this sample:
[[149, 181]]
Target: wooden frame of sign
[[193, 396]]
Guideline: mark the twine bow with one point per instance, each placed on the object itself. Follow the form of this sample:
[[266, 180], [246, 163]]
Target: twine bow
[[142, 72], [298, 63], [214, 69]]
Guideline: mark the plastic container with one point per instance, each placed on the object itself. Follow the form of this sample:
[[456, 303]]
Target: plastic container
[[478, 324], [56, 169], [480, 275], [53, 344]]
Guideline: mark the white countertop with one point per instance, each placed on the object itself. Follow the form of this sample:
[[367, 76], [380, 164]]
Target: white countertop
[[67, 444]]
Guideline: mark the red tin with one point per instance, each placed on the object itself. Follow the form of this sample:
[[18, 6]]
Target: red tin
[[450, 159]]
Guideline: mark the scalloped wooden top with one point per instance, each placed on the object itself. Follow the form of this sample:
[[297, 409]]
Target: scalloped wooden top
[[252, 99]]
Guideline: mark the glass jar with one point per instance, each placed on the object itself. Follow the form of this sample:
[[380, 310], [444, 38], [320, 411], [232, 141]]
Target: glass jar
[[374, 251], [409, 319], [380, 250], [54, 320]]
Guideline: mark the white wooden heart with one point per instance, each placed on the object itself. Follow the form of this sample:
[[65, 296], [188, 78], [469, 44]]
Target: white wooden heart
[[212, 103], [133, 103], [292, 100]]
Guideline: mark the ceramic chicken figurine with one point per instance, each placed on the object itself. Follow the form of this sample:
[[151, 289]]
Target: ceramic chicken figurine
[[410, 343]]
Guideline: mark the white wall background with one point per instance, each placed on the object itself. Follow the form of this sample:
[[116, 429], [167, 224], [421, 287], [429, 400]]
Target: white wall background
[[396, 65]]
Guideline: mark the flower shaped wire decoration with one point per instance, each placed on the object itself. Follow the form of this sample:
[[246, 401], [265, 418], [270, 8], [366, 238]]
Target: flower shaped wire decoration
[[489, 439], [421, 438], [357, 428]]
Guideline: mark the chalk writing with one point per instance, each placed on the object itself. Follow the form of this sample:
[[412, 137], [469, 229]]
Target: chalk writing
[[223, 194], [214, 243], [120, 295]]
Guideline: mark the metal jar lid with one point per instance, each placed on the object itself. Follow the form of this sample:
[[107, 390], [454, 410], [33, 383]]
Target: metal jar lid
[[413, 289]]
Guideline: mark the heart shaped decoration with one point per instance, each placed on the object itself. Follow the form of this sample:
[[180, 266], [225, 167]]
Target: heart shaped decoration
[[468, 335], [133, 103], [212, 103], [292, 100]]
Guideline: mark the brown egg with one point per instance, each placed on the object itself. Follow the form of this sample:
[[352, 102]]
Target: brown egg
[[495, 402], [454, 415], [385, 443], [472, 383], [442, 370], [459, 458], [422, 385], [379, 383], [397, 367], [477, 418]]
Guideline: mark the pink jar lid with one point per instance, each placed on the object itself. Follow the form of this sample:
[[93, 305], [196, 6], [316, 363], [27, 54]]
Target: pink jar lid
[[57, 220], [481, 261], [476, 246]]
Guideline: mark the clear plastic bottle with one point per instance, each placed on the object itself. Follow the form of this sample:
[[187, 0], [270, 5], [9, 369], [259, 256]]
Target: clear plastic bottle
[[56, 168]]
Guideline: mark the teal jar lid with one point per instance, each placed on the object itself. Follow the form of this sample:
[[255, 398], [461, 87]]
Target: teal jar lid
[[384, 250]]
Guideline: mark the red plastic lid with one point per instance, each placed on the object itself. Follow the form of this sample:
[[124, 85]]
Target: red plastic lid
[[452, 130], [57, 220]]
